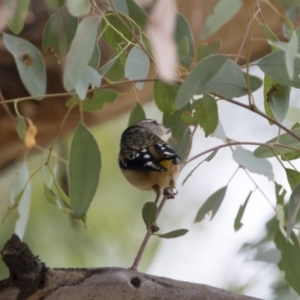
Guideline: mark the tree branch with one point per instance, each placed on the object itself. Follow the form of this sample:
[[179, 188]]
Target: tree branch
[[29, 279]]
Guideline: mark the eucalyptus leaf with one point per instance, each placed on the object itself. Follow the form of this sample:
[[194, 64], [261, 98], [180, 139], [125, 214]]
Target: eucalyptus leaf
[[84, 170], [106, 67], [290, 254], [81, 51], [21, 127], [237, 221], [211, 205], [205, 49], [114, 33], [137, 14], [30, 64], [224, 11], [173, 121], [137, 114], [198, 78], [59, 32], [184, 39], [21, 196], [89, 77], [78, 7], [279, 101], [294, 206], [98, 99], [269, 86], [121, 5], [285, 139], [246, 159], [137, 66], [274, 65], [293, 177], [16, 21], [173, 234], [164, 96], [206, 114], [149, 213]]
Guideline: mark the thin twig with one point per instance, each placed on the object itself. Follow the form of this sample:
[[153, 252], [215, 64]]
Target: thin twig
[[147, 236]]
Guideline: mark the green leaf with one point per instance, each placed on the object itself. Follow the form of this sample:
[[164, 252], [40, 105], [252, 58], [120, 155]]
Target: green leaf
[[78, 7], [183, 52], [21, 197], [294, 206], [293, 177], [254, 82], [137, 14], [173, 234], [137, 114], [89, 77], [269, 34], [114, 33], [211, 205], [274, 65], [269, 86], [208, 158], [206, 114], [95, 59], [205, 50], [237, 221], [81, 51], [290, 256], [98, 99], [293, 154], [21, 127], [178, 128], [183, 146], [116, 71], [280, 193], [56, 4], [30, 64], [290, 52], [198, 78], [49, 195], [184, 38], [224, 11], [285, 139], [246, 159], [59, 32], [84, 170], [121, 5], [137, 66], [219, 133], [16, 21], [229, 81], [149, 213], [164, 96]]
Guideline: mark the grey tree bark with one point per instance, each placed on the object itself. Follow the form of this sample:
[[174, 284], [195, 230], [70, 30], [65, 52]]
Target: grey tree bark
[[31, 279]]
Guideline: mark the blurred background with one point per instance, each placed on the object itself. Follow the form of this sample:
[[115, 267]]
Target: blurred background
[[211, 252]]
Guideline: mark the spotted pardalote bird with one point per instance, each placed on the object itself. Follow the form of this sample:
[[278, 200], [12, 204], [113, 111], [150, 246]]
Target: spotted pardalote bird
[[146, 160]]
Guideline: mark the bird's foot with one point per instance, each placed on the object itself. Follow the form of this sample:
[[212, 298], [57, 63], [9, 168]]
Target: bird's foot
[[169, 193]]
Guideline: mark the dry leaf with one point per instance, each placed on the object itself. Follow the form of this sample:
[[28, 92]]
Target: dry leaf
[[30, 134], [160, 32]]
